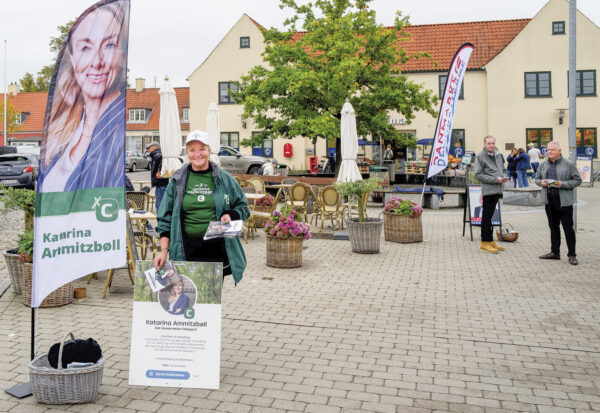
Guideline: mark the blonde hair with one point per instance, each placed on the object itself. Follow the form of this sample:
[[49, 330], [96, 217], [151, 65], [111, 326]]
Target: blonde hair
[[67, 102], [173, 295]]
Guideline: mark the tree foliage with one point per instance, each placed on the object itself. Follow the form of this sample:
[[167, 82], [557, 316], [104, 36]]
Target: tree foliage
[[41, 81], [342, 54], [11, 117]]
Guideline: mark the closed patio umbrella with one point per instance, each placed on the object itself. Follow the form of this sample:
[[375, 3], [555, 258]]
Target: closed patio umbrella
[[169, 130], [214, 132], [349, 144]]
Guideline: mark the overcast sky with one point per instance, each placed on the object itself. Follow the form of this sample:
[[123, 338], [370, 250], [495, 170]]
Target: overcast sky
[[172, 37]]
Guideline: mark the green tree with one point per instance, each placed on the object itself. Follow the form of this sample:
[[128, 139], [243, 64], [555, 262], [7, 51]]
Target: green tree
[[11, 117], [342, 54], [41, 82]]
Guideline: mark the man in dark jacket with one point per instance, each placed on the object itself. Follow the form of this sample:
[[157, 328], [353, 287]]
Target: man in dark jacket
[[558, 178], [490, 171], [159, 183]]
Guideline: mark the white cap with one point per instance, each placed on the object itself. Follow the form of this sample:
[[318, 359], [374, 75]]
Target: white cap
[[530, 144], [199, 136]]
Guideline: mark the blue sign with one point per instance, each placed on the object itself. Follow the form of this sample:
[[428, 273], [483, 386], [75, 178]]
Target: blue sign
[[590, 150], [458, 151], [268, 151], [544, 151]]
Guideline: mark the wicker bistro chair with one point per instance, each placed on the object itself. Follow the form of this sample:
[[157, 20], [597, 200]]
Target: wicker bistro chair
[[136, 199], [298, 194], [249, 224], [238, 179], [330, 206], [268, 214], [256, 183]]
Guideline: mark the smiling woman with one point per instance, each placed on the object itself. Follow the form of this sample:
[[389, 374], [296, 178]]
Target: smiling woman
[[83, 146]]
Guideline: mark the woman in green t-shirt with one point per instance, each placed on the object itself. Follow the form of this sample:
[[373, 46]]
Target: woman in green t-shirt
[[200, 192]]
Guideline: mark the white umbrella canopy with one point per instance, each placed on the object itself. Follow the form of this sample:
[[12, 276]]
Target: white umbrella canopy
[[169, 130], [349, 142], [214, 132]]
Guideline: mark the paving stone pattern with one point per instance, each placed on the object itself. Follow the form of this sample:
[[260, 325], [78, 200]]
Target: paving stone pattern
[[433, 326]]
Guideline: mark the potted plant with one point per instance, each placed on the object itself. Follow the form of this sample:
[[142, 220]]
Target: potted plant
[[60, 296], [402, 221], [16, 199], [365, 233], [285, 234], [263, 205]]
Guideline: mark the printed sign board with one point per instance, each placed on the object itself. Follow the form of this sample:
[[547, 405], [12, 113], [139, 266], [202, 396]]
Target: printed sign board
[[475, 200], [584, 165], [176, 330]]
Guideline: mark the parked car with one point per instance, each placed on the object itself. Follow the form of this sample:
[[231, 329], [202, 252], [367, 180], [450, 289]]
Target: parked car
[[19, 170], [233, 161], [136, 160]]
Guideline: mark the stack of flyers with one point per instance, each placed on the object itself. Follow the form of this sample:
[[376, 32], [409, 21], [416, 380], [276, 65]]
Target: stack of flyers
[[218, 229], [159, 279]]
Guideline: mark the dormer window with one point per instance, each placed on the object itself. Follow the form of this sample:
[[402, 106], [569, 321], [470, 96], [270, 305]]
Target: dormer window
[[21, 117], [244, 42], [558, 27], [138, 116], [185, 115]]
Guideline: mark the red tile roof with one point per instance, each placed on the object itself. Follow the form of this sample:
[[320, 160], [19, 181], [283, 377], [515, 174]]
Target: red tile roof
[[150, 99], [35, 104], [442, 40]]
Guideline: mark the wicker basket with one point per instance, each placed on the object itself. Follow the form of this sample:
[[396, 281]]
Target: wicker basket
[[284, 252], [365, 237], [64, 386], [402, 228], [15, 269], [510, 235], [58, 297]]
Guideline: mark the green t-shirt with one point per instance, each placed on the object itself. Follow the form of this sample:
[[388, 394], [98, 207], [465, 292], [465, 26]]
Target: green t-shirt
[[198, 206]]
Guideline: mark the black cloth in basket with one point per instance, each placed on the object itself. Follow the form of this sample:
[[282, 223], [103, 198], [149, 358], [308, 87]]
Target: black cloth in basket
[[82, 351]]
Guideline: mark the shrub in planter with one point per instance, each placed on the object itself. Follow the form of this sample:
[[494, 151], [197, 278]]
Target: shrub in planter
[[285, 234], [402, 221]]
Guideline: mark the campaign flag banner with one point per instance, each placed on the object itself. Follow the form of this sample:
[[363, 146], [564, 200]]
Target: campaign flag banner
[[476, 207], [176, 332], [79, 224], [438, 159]]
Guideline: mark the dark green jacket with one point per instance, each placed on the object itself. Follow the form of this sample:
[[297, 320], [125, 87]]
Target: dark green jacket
[[488, 169], [228, 196], [565, 172]]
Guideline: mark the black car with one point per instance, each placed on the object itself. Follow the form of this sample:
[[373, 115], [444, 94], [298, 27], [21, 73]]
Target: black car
[[19, 170]]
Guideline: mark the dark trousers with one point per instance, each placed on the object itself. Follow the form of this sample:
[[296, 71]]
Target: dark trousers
[[489, 205], [558, 215]]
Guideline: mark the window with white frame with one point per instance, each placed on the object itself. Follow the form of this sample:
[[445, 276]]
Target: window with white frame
[[137, 116], [185, 116]]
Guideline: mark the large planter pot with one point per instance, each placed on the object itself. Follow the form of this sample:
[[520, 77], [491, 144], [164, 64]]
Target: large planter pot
[[58, 297], [15, 269], [365, 237], [402, 228], [284, 252]]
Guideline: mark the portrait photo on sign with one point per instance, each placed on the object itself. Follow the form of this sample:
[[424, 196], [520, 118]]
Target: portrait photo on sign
[[476, 206], [200, 282], [83, 140]]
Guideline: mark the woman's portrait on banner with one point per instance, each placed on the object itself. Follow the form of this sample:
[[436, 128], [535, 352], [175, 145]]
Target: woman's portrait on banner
[[83, 144]]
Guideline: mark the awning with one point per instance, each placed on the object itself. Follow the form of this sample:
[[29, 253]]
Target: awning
[[425, 141], [363, 142]]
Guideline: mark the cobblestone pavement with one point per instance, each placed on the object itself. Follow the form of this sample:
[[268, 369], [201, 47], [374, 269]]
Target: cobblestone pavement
[[432, 326]]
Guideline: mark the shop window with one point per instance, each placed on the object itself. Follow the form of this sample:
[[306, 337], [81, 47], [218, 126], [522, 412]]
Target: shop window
[[587, 138], [540, 137], [264, 149]]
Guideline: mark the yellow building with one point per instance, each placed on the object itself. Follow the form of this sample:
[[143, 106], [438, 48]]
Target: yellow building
[[515, 87]]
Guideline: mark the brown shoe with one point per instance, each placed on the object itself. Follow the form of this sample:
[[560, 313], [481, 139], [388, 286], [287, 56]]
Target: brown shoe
[[487, 247], [498, 247], [550, 256], [573, 260]]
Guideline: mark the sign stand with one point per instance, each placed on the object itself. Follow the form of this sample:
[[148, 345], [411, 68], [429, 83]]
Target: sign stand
[[468, 217], [23, 390]]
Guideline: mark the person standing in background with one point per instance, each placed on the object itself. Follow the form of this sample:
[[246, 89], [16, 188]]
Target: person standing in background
[[522, 167], [512, 166], [534, 157], [158, 182]]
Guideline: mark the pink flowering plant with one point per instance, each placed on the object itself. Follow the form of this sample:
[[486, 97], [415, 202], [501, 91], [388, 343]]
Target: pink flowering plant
[[399, 206], [287, 223]]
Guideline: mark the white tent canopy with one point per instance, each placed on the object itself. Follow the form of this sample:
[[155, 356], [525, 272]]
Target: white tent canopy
[[214, 132], [169, 130], [349, 143]]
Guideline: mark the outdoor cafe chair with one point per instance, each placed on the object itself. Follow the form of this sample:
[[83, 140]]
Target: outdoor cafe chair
[[331, 207], [298, 194], [249, 224], [268, 214], [256, 183]]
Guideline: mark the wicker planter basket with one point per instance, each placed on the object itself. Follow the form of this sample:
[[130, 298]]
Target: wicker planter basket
[[64, 386], [15, 269], [365, 237], [284, 252], [402, 228], [58, 297], [260, 222]]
